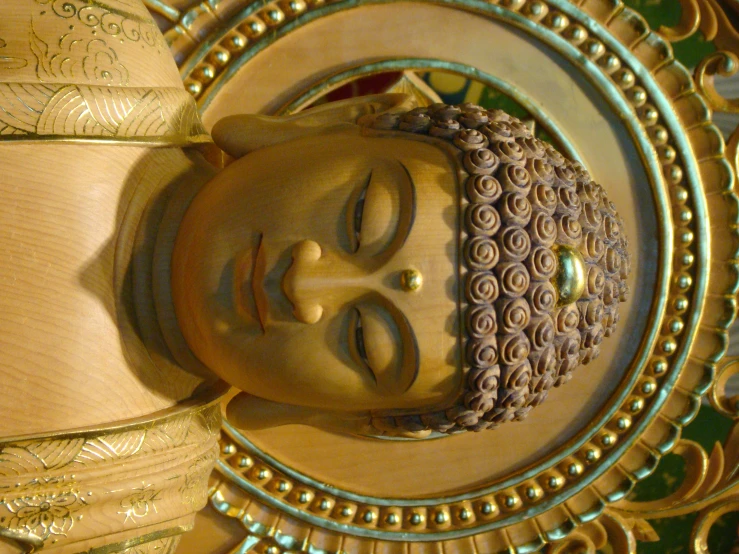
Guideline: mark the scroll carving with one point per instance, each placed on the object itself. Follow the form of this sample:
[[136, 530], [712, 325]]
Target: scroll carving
[[65, 77], [144, 115], [111, 18]]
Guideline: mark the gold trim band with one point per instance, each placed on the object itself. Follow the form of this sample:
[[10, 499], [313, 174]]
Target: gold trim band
[[167, 538], [162, 116], [142, 474]]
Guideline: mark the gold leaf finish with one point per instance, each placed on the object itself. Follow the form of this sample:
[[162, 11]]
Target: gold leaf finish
[[570, 277], [150, 476], [709, 17], [42, 112], [159, 546], [724, 64]]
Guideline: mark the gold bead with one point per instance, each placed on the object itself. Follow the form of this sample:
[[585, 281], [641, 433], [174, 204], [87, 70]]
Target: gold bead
[[193, 87], [592, 455], [625, 78], [608, 439], [411, 280], [205, 72], [570, 277]]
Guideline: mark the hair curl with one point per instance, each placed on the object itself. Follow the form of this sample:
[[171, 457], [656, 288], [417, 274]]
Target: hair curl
[[521, 198]]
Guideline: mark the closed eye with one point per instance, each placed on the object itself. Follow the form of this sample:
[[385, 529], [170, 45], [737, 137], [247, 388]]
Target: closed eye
[[357, 343], [380, 212], [358, 212], [359, 337], [382, 343]]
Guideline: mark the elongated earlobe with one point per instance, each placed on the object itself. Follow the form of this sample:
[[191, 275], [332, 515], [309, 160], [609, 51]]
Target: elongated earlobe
[[253, 413], [240, 134]]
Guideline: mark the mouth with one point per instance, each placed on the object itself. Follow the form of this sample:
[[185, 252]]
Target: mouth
[[249, 295]]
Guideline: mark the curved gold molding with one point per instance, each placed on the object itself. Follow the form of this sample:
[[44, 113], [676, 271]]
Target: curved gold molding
[[147, 477], [709, 17]]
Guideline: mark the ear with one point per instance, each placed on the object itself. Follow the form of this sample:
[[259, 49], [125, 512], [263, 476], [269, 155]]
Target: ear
[[249, 412], [240, 134]]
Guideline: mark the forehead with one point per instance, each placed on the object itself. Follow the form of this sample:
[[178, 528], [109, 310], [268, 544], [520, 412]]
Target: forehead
[[430, 161], [433, 249]]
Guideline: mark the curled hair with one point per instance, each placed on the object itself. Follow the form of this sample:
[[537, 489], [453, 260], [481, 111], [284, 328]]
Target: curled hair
[[520, 198]]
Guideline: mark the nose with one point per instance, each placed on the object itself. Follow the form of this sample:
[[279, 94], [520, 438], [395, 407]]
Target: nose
[[316, 279], [305, 255]]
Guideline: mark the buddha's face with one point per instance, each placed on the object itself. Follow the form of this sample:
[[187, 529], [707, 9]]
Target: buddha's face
[[287, 274]]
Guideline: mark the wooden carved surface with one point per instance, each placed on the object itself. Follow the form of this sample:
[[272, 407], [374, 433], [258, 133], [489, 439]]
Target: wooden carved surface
[[146, 479], [538, 337], [105, 446], [580, 501], [141, 114]]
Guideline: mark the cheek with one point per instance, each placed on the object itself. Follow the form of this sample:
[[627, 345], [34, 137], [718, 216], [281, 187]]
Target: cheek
[[286, 219], [298, 364]]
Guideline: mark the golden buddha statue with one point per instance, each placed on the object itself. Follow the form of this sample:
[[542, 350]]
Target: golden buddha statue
[[390, 271]]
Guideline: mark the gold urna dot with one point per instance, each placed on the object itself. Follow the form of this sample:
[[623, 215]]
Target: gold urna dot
[[570, 277], [411, 280]]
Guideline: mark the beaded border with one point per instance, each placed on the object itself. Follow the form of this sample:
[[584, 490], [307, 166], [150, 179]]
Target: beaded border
[[423, 519], [204, 73]]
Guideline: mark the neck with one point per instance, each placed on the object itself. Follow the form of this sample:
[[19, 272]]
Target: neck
[[151, 265]]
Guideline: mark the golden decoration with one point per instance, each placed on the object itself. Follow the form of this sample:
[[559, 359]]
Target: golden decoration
[[570, 278], [139, 504], [709, 17], [167, 545], [142, 115], [711, 485], [411, 280], [164, 541], [69, 71], [42, 515], [50, 487]]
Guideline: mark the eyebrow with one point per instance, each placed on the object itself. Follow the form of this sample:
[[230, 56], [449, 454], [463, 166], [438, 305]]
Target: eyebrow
[[404, 320], [413, 203], [414, 346]]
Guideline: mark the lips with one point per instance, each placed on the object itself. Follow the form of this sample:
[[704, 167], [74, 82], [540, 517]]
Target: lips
[[249, 295], [257, 284]]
